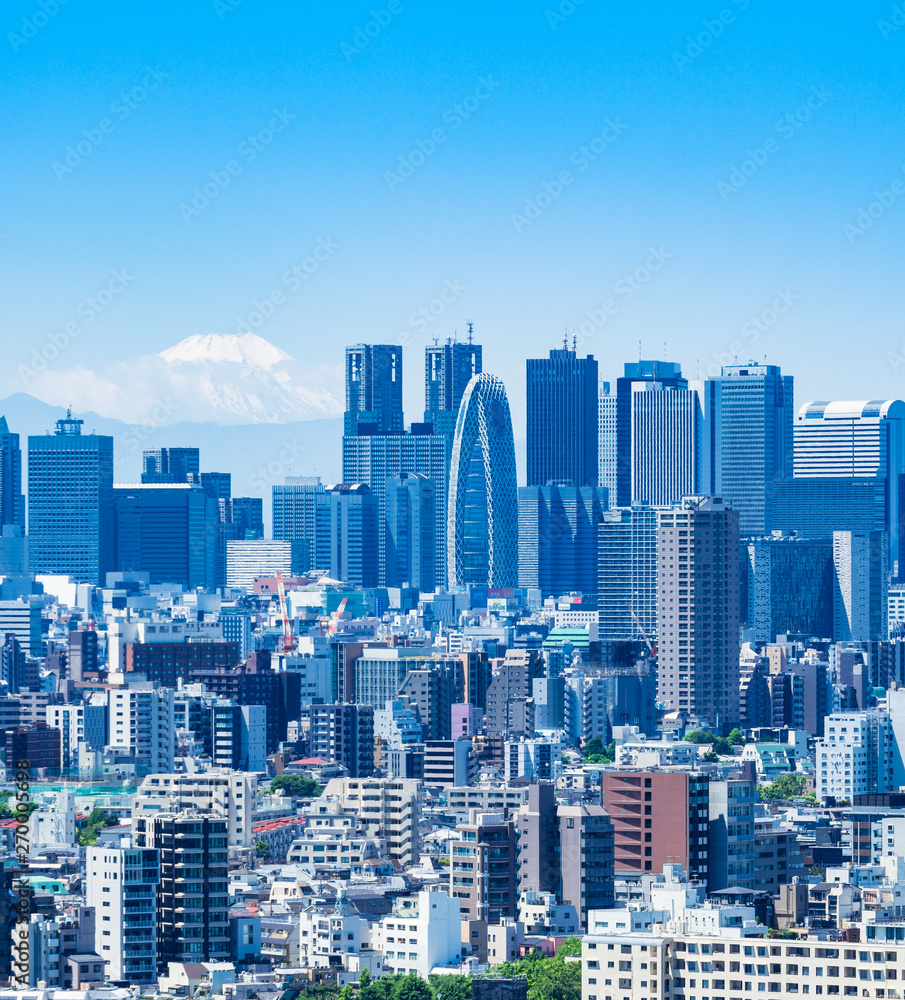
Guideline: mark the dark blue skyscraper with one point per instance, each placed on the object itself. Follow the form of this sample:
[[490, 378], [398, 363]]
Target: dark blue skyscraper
[[373, 389], [164, 530], [12, 501], [448, 368], [169, 465], [562, 419], [70, 503], [295, 519], [668, 375]]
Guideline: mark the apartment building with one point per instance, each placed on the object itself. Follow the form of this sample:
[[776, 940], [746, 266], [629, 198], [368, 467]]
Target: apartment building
[[390, 807]]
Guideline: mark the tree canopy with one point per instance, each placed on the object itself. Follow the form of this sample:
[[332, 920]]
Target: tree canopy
[[295, 784], [786, 787], [97, 820]]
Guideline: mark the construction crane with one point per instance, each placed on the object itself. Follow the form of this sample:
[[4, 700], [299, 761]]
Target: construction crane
[[337, 614], [644, 636], [284, 614]]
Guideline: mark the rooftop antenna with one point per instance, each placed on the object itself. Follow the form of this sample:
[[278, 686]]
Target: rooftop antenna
[[639, 350], [436, 341], [565, 339], [698, 367], [574, 343], [664, 350], [470, 324]]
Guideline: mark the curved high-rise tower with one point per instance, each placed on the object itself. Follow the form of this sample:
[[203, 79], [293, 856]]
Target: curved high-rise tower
[[482, 540]]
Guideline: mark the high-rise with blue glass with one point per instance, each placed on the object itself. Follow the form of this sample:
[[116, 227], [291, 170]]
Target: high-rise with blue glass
[[448, 368], [482, 540], [373, 389], [756, 416], [562, 399], [70, 503]]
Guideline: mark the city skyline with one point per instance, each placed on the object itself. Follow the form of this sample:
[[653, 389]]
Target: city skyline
[[721, 242]]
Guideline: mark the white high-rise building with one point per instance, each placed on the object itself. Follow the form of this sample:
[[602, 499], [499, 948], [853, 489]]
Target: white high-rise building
[[140, 721], [856, 755], [122, 887], [77, 723], [606, 440], [230, 794], [391, 808], [674, 442], [860, 607], [421, 935]]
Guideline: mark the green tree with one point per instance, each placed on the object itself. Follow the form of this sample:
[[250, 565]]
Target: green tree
[[97, 820], [262, 849], [453, 987], [784, 788], [295, 784], [570, 947], [698, 736], [594, 746], [412, 987], [736, 737]]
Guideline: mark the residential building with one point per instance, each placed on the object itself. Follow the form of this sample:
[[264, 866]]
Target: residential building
[[85, 723], [230, 795], [586, 852], [121, 885], [698, 611], [391, 808], [732, 852], [344, 733], [70, 503], [140, 721], [239, 736], [482, 870], [855, 756], [537, 759], [23, 620], [659, 818], [421, 934], [192, 899]]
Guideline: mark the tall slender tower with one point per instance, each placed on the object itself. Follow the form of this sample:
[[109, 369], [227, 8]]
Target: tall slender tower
[[562, 393], [12, 501], [70, 503], [482, 540], [698, 611]]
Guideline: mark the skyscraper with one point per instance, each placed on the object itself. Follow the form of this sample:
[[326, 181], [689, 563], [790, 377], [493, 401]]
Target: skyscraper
[[162, 529], [606, 441], [12, 501], [482, 539], [448, 368], [169, 465], [557, 538], [857, 442], [674, 442], [410, 532], [627, 568], [295, 506], [756, 417], [70, 503], [375, 445], [375, 459], [669, 376], [354, 523], [860, 606], [562, 393], [373, 389], [698, 611]]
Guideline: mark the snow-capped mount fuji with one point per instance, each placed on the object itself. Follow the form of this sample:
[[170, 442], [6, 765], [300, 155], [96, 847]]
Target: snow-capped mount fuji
[[211, 378]]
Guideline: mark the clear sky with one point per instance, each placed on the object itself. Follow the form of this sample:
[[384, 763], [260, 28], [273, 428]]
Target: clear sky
[[316, 122]]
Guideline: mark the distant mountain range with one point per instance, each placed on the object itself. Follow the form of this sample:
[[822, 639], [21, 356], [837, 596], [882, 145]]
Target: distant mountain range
[[221, 378]]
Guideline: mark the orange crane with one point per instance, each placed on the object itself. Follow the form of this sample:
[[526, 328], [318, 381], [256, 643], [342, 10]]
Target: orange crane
[[287, 624], [335, 617]]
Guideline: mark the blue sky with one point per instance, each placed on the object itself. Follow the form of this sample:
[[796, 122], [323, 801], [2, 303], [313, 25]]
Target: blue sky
[[678, 95]]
